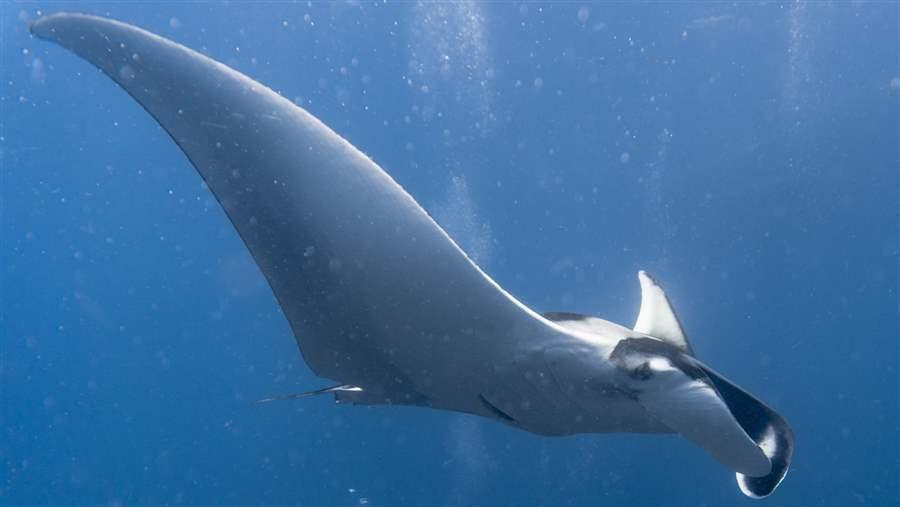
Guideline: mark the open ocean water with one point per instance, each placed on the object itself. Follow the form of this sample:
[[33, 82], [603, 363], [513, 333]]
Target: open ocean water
[[745, 154]]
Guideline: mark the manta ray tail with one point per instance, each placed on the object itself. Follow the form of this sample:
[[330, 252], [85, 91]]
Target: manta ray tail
[[308, 394]]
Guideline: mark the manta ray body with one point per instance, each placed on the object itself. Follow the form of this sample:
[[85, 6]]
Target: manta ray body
[[381, 300]]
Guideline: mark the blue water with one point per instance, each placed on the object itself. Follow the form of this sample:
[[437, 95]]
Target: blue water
[[746, 155]]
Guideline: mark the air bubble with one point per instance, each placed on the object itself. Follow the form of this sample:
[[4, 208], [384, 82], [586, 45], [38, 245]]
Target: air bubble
[[583, 14]]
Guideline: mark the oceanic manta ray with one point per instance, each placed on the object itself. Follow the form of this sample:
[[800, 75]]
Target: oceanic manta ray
[[381, 300]]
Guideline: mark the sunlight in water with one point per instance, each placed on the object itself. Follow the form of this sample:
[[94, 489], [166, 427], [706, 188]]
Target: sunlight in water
[[797, 71], [450, 59], [458, 216]]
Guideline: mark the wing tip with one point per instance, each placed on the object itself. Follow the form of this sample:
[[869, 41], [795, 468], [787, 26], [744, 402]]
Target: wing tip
[[780, 450], [758, 488], [768, 429], [646, 280], [45, 26], [50, 26]]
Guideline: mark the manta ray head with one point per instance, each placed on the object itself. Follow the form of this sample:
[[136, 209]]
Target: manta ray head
[[647, 366]]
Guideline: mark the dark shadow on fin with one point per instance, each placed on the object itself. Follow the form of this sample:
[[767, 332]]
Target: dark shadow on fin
[[564, 316], [494, 410]]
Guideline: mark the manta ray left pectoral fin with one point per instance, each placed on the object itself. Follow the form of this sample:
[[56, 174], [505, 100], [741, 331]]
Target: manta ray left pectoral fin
[[308, 394], [657, 318]]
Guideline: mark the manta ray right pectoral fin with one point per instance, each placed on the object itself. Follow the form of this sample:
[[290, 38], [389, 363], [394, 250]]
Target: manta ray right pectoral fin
[[766, 427], [657, 318], [308, 394]]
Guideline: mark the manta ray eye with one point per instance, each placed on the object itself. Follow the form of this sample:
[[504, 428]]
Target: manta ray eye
[[642, 372]]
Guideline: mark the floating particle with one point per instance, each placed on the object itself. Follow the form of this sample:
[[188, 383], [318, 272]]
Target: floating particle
[[126, 73], [583, 14]]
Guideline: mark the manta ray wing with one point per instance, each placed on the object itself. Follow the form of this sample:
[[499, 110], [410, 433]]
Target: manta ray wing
[[376, 293], [765, 426]]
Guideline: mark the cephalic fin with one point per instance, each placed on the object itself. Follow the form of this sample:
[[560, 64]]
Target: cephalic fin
[[309, 394], [657, 318]]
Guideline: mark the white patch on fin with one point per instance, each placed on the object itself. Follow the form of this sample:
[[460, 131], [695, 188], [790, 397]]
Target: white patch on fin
[[657, 318]]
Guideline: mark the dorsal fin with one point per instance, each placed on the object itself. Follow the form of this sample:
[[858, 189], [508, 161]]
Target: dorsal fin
[[657, 318]]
